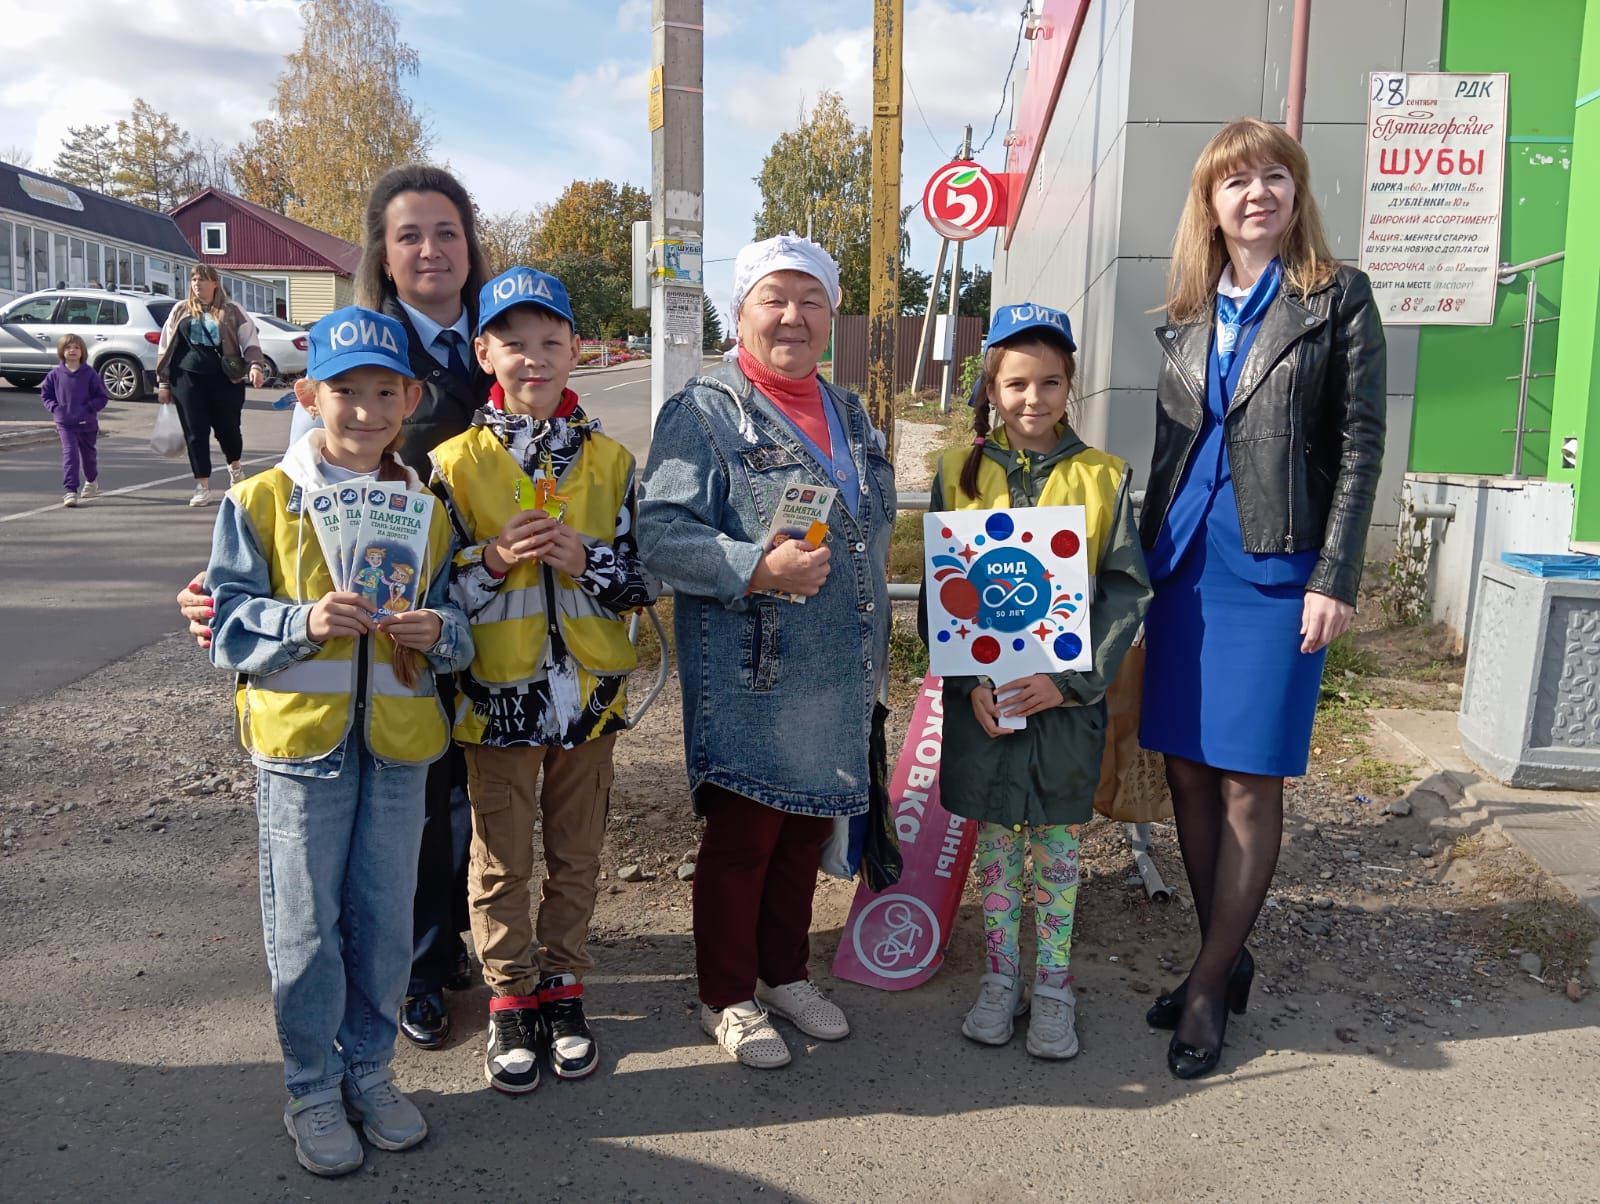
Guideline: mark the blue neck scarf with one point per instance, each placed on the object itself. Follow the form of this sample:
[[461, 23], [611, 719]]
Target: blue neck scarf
[[1233, 316]]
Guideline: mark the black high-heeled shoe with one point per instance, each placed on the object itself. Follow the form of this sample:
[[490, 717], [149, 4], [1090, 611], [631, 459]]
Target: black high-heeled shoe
[[1188, 1061], [1164, 1012]]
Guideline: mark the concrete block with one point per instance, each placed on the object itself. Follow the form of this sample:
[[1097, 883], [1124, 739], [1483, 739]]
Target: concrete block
[[1530, 708]]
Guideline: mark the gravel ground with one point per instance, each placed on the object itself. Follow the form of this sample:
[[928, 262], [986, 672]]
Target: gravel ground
[[1391, 1052]]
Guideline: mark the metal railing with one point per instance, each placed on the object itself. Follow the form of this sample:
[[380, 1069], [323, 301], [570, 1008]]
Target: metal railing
[[1507, 275]]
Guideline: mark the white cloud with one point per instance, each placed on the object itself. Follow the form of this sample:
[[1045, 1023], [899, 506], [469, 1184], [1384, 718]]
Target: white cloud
[[210, 68]]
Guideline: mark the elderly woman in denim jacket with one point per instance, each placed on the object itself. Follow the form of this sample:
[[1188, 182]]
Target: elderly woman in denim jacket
[[777, 695]]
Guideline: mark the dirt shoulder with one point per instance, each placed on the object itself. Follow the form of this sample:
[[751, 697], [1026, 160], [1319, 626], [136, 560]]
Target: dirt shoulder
[[1389, 1053]]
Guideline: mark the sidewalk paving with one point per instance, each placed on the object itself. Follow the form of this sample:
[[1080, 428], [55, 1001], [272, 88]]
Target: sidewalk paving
[[1560, 829]]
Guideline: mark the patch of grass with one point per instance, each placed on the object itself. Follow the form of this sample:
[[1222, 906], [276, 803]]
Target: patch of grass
[[1345, 657], [1466, 847], [905, 547], [908, 658]]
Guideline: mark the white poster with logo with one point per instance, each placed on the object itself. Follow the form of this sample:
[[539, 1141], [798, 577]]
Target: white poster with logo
[[1430, 228], [1008, 592]]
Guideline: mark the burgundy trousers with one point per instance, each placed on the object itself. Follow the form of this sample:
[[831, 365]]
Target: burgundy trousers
[[753, 885]]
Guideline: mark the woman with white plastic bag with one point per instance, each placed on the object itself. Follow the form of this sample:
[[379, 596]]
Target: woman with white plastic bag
[[167, 438]]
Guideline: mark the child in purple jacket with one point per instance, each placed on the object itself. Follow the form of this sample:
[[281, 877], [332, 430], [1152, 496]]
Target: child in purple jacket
[[74, 394]]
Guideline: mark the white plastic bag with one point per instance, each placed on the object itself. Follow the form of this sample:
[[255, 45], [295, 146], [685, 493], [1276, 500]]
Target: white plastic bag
[[167, 438]]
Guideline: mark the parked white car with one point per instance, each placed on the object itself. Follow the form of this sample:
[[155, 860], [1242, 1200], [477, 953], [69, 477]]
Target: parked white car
[[121, 329], [284, 345]]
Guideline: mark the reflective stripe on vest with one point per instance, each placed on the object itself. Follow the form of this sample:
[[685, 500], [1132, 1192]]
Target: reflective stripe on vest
[[316, 676], [510, 634], [304, 711]]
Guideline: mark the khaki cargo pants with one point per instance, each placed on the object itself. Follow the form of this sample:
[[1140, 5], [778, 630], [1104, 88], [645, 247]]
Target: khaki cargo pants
[[507, 797]]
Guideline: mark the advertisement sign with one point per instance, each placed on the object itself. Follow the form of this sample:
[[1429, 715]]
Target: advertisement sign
[[1008, 592], [963, 199], [895, 940], [1430, 223]]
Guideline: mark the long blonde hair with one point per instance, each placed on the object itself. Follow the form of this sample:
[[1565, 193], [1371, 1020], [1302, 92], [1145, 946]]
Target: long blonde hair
[[219, 299], [1198, 250]]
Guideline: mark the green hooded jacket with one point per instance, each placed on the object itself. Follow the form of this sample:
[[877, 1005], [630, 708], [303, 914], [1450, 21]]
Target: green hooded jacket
[[1047, 772]]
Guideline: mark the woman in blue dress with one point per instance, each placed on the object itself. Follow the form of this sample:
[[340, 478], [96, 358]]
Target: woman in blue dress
[[1269, 439]]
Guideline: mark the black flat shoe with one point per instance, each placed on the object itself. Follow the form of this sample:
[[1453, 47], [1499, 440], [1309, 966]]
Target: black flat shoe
[[424, 1021], [462, 977], [1164, 1012], [1191, 1061]]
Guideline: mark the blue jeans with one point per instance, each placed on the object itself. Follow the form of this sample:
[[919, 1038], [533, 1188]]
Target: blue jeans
[[338, 869]]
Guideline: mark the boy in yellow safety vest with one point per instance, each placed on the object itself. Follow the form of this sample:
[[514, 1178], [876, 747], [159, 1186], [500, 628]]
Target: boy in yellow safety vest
[[543, 504]]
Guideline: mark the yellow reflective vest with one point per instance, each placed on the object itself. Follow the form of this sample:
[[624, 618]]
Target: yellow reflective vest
[[1090, 478], [511, 634], [305, 711]]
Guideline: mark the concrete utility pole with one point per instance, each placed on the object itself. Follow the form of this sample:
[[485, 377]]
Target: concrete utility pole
[[677, 197], [888, 19], [953, 307]]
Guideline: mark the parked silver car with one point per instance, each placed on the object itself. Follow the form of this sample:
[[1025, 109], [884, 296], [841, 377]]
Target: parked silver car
[[284, 345], [121, 329]]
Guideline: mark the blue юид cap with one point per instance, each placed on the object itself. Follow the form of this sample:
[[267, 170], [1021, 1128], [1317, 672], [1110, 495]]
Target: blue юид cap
[[354, 337], [523, 286], [1011, 320]]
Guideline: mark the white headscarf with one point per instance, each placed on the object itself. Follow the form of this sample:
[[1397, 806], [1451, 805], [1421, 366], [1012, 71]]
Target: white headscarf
[[783, 253]]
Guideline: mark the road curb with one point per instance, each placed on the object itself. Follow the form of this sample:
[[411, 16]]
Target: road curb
[[27, 435], [1559, 829]]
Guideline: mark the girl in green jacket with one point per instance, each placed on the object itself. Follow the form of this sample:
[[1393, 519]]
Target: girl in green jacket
[[1031, 788]]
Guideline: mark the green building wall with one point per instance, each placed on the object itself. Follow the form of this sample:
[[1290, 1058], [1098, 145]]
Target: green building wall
[[1465, 405]]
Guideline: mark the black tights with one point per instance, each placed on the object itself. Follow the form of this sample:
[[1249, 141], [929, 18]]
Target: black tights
[[1230, 826]]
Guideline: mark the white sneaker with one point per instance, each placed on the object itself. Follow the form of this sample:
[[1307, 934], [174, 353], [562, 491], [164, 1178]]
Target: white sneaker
[[236, 473], [69, 499], [744, 1031], [202, 496], [804, 1005], [1001, 999], [1051, 1030], [91, 489]]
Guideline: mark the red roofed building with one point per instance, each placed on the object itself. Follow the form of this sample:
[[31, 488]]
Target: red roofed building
[[313, 270]]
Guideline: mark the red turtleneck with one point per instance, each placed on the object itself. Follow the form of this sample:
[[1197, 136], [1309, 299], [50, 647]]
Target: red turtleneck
[[800, 400]]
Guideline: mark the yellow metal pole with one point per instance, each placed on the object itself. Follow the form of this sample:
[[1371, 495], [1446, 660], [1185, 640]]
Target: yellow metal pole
[[888, 20]]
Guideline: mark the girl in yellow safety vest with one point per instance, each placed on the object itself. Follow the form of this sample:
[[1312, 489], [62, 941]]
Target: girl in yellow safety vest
[[1031, 788]]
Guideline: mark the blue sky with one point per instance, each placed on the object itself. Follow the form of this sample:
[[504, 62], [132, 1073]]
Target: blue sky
[[524, 97]]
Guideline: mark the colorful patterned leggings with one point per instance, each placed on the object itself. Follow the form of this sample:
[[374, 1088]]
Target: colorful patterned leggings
[[1055, 895]]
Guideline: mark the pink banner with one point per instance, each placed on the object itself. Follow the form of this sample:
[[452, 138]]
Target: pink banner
[[896, 940]]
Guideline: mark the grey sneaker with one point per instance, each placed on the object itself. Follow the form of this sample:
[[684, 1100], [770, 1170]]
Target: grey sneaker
[[1051, 1028], [389, 1119], [1001, 999], [324, 1142]]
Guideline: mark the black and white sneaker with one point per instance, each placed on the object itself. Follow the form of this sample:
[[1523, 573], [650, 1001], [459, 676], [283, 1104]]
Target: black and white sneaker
[[572, 1048], [511, 1052]]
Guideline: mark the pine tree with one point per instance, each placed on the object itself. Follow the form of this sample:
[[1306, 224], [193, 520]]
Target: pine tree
[[712, 336]]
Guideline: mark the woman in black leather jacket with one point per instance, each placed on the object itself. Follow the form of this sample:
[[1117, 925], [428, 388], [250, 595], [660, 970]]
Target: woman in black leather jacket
[[1269, 439]]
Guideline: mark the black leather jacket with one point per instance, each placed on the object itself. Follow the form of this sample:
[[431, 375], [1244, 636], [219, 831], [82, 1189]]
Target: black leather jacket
[[447, 404], [1304, 430]]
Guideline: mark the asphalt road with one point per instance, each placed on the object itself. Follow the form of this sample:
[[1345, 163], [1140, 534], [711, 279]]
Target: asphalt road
[[80, 589]]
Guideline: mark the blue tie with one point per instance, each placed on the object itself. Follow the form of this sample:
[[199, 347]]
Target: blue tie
[[453, 346]]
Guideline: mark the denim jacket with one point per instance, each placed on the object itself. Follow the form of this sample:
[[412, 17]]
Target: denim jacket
[[777, 696], [255, 633]]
